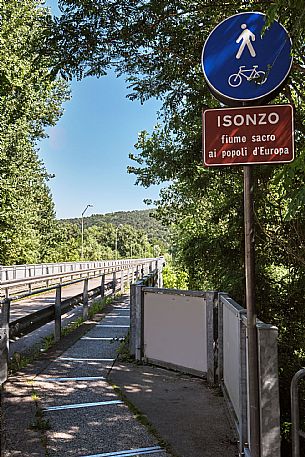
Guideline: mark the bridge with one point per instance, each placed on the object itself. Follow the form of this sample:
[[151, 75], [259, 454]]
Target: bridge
[[33, 295], [203, 334]]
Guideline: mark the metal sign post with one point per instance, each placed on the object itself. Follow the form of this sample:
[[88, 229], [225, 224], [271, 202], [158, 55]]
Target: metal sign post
[[245, 64], [251, 312]]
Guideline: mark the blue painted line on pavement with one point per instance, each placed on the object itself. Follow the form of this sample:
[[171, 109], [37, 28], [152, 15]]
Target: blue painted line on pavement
[[93, 338], [112, 326], [83, 405], [130, 452], [84, 378], [78, 359]]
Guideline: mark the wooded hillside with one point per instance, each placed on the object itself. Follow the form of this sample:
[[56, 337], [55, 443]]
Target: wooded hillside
[[139, 219]]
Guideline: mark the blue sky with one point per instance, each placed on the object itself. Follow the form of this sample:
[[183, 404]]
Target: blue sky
[[88, 149]]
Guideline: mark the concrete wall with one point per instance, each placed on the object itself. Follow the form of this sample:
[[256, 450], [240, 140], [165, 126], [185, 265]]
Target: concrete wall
[[269, 390]]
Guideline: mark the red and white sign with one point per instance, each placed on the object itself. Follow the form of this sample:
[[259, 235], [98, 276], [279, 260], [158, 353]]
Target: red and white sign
[[248, 135]]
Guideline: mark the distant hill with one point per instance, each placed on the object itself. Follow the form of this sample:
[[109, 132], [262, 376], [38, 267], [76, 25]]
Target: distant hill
[[139, 219]]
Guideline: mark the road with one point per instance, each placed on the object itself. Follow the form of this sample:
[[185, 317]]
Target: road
[[31, 304]]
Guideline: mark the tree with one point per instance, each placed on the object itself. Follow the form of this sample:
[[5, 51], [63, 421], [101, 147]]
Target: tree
[[158, 44], [30, 99]]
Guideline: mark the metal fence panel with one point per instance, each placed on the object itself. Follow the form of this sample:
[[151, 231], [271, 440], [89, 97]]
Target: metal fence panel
[[175, 330], [231, 355]]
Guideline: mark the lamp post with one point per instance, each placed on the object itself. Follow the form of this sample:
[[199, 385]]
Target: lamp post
[[82, 253], [116, 241], [156, 250]]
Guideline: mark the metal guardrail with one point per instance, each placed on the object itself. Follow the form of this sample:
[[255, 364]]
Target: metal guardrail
[[295, 413], [126, 271], [21, 285], [98, 269], [90, 274], [15, 272], [48, 277], [27, 324]]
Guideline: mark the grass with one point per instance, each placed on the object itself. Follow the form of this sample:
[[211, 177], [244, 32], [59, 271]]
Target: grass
[[48, 342], [19, 361], [40, 424], [98, 306], [34, 396], [123, 351], [72, 326]]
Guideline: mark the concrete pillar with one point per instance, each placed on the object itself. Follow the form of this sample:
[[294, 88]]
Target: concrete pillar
[[270, 440]]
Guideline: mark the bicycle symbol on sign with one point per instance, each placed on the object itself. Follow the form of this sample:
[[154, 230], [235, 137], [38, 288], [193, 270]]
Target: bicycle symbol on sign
[[251, 74]]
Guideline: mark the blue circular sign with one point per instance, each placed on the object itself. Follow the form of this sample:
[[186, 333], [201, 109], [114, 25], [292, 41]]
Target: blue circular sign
[[242, 62]]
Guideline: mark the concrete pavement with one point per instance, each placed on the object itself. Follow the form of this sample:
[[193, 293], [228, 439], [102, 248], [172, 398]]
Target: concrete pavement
[[65, 406]]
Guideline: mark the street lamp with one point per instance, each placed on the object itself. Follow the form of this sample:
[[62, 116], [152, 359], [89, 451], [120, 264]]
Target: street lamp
[[156, 250], [82, 253], [116, 241]]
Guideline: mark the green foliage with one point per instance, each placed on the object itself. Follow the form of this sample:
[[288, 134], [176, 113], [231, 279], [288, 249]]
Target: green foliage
[[134, 233], [63, 243], [96, 307], [141, 220], [174, 278], [30, 100]]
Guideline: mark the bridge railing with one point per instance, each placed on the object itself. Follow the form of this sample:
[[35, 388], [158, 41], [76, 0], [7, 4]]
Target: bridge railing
[[51, 275], [18, 272], [122, 273]]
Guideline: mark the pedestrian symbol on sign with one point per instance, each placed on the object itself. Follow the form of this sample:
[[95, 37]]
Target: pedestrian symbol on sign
[[245, 38]]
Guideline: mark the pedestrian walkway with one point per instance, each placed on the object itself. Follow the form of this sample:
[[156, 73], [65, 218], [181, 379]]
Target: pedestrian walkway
[[86, 417], [79, 413]]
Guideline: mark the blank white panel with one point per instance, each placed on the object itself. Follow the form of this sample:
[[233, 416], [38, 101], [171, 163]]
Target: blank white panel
[[175, 330]]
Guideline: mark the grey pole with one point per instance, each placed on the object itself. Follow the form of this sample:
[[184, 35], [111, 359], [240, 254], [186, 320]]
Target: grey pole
[[4, 339], [116, 241], [295, 417], [103, 286], [251, 312], [116, 244], [82, 247], [113, 282]]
